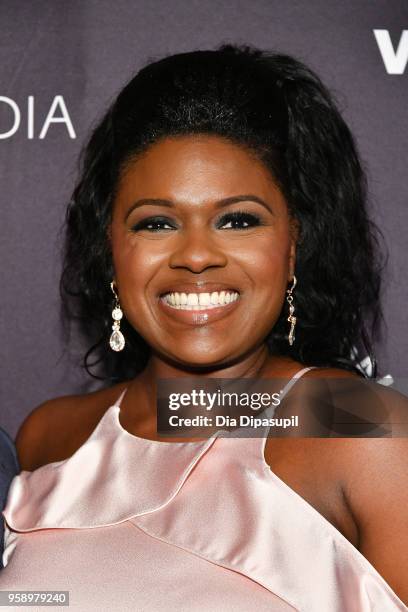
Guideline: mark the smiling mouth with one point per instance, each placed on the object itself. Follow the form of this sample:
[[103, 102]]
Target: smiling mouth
[[199, 301]]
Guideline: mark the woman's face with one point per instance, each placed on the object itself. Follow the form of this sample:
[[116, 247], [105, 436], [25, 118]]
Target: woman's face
[[197, 219]]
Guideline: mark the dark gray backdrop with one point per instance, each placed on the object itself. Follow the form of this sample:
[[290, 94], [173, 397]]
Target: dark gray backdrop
[[84, 51]]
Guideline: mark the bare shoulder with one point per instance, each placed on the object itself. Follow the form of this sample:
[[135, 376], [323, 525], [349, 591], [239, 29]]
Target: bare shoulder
[[381, 460], [317, 372], [57, 427], [386, 402], [373, 475]]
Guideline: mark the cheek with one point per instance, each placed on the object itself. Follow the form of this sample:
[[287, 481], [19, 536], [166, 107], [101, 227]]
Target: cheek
[[266, 263], [134, 266], [266, 268]]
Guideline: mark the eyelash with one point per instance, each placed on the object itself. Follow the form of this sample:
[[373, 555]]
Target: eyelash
[[236, 216]]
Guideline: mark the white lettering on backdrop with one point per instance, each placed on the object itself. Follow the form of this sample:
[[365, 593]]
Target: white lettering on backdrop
[[395, 61], [58, 113]]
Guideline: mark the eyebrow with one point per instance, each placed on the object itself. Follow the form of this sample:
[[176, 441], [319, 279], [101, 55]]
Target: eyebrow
[[218, 204]]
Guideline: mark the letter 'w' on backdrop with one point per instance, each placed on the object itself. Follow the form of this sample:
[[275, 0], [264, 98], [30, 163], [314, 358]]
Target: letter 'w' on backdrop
[[395, 60]]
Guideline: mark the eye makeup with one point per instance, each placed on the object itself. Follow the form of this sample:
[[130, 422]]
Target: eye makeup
[[238, 220]]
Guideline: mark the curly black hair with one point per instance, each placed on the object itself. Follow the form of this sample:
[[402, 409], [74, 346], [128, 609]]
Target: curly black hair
[[278, 109]]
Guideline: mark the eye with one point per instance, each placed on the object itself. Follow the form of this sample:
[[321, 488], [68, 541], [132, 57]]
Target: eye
[[153, 224], [239, 220]]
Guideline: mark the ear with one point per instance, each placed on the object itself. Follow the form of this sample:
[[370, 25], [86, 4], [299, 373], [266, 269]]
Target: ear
[[294, 235]]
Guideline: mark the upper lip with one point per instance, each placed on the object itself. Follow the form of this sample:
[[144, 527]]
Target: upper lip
[[199, 287]]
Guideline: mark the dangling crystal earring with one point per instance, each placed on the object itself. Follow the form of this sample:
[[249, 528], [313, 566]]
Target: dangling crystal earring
[[117, 339], [291, 318]]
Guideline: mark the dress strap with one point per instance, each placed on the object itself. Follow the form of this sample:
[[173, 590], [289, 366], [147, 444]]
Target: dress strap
[[294, 379], [283, 393], [120, 398]]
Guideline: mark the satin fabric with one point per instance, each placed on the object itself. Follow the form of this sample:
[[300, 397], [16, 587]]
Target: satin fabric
[[133, 524]]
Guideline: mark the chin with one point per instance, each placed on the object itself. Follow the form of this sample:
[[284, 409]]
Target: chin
[[200, 360]]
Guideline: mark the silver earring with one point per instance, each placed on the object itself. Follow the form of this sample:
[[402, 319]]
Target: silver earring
[[291, 318], [117, 339]]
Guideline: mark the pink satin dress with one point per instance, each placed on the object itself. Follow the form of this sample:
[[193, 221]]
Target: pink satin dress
[[130, 524]]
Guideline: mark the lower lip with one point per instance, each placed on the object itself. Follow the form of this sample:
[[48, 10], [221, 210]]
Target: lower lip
[[198, 317]]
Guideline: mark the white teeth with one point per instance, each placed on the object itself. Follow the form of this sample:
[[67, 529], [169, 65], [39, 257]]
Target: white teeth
[[192, 299], [204, 299], [199, 301]]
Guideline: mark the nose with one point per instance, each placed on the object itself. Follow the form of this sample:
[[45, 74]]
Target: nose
[[197, 250]]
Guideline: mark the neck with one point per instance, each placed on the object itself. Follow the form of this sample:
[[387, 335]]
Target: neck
[[138, 410]]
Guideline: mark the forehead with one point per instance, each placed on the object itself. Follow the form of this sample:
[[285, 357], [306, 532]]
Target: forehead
[[194, 166]]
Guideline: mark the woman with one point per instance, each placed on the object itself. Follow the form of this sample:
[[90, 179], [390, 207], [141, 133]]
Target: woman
[[219, 229]]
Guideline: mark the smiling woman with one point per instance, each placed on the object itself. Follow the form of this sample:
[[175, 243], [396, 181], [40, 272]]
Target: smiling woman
[[219, 229], [185, 137], [198, 245]]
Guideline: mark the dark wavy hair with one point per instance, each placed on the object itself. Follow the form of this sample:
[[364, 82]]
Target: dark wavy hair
[[277, 108]]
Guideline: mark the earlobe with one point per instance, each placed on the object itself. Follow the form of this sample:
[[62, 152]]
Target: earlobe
[[294, 230], [294, 235], [292, 261]]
